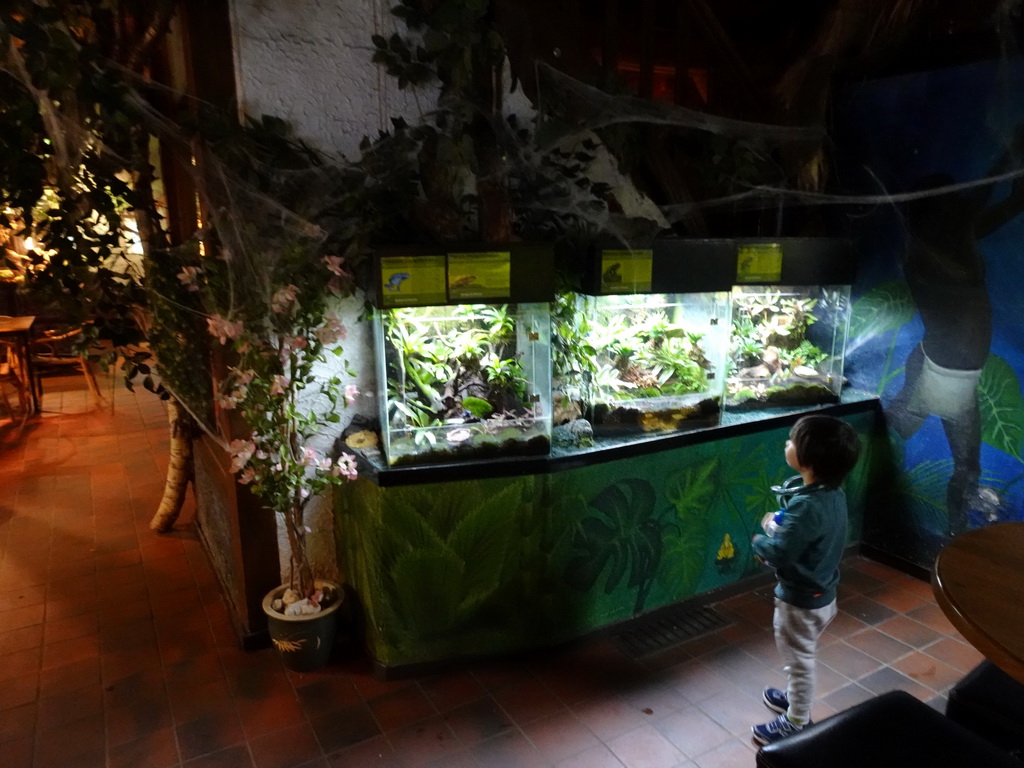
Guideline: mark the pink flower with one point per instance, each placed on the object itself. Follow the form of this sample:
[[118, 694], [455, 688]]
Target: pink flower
[[247, 476], [243, 377], [310, 457], [332, 330], [241, 451], [284, 298], [223, 328], [225, 401], [189, 276], [334, 265], [279, 384], [299, 342], [351, 393], [346, 467]]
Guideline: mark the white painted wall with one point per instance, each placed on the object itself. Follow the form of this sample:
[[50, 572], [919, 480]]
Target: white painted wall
[[309, 62]]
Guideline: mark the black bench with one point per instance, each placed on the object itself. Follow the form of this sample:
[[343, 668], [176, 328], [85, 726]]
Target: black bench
[[991, 703], [893, 730]]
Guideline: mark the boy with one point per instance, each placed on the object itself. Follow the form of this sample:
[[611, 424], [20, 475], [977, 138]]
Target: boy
[[805, 551]]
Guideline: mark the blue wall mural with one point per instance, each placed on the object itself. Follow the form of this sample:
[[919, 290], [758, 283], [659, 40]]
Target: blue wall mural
[[939, 312]]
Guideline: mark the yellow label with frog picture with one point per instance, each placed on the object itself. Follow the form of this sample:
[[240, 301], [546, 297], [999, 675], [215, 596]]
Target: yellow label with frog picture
[[759, 263], [485, 275], [412, 281], [626, 271]]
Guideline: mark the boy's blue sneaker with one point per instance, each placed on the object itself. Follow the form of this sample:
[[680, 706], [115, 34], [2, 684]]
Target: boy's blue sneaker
[[777, 729], [776, 700]]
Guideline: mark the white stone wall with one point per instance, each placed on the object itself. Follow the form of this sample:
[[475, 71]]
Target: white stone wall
[[309, 62]]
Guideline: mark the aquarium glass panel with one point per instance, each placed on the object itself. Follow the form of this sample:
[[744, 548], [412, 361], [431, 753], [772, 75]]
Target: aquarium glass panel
[[787, 346], [464, 382], [658, 361]]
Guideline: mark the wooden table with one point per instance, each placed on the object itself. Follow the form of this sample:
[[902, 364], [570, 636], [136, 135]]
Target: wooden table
[[20, 330], [979, 584]]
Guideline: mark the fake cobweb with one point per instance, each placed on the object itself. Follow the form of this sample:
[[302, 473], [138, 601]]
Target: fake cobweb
[[564, 182]]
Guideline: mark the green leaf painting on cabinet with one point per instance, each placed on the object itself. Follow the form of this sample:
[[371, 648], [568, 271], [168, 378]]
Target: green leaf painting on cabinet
[[689, 491], [441, 564], [462, 568], [625, 535]]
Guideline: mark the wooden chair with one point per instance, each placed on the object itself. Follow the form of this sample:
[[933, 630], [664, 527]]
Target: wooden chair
[[54, 352], [9, 376]]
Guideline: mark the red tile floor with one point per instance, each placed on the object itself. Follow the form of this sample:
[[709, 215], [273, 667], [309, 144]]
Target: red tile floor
[[113, 652]]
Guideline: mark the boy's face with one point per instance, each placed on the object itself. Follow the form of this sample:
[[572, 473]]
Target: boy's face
[[790, 454]]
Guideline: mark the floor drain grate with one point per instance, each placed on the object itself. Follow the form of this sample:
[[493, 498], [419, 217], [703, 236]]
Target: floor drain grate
[[668, 628]]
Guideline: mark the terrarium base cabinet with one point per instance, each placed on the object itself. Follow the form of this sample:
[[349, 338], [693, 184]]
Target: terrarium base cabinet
[[467, 567]]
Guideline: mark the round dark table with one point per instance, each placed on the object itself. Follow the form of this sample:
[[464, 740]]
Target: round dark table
[[979, 584]]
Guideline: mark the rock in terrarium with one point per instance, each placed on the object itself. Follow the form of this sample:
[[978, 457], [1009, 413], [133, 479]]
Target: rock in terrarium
[[467, 381], [658, 361], [787, 346]]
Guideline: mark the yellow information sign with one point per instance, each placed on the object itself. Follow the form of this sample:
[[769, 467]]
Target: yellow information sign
[[479, 275], [626, 271], [759, 263], [412, 281]]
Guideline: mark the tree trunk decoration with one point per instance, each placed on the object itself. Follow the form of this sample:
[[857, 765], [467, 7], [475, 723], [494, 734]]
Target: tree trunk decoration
[[180, 470]]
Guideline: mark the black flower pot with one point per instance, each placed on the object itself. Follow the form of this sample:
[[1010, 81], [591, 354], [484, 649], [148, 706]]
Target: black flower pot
[[304, 643]]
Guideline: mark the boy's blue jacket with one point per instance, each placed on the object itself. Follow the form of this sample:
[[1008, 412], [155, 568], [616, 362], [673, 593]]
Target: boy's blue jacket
[[806, 550]]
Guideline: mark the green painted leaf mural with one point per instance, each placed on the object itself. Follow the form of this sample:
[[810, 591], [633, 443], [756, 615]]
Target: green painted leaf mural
[[442, 556], [1002, 407], [488, 566], [690, 492], [926, 488], [624, 537], [429, 580], [886, 307]]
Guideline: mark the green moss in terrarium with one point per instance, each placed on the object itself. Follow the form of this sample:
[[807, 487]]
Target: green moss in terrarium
[[780, 396], [477, 406]]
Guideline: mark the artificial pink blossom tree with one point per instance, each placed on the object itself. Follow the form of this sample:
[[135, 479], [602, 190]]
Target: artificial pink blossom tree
[[284, 388]]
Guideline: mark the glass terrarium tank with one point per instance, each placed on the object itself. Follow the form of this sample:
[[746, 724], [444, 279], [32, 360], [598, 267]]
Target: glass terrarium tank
[[658, 361], [464, 381], [787, 346]]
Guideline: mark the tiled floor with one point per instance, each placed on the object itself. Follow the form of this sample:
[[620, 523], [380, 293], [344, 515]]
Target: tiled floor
[[112, 652]]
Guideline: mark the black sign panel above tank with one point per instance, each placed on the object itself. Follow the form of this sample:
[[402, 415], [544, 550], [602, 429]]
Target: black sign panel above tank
[[668, 265], [461, 274], [794, 261]]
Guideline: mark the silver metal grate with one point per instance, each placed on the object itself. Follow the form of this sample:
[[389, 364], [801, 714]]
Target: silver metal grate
[[668, 628]]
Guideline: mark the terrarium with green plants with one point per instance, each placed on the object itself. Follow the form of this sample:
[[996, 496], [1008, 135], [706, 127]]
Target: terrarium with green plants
[[658, 361], [465, 381], [787, 345]]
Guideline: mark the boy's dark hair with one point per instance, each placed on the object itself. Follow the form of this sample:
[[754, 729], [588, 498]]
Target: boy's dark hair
[[828, 446]]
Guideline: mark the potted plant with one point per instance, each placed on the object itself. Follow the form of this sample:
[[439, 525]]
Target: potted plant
[[287, 396]]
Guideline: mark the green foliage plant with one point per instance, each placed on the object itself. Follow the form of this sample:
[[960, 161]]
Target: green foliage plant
[[770, 320], [447, 365], [572, 354], [77, 175], [641, 353]]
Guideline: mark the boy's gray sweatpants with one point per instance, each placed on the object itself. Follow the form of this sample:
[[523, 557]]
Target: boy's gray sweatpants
[[796, 636]]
